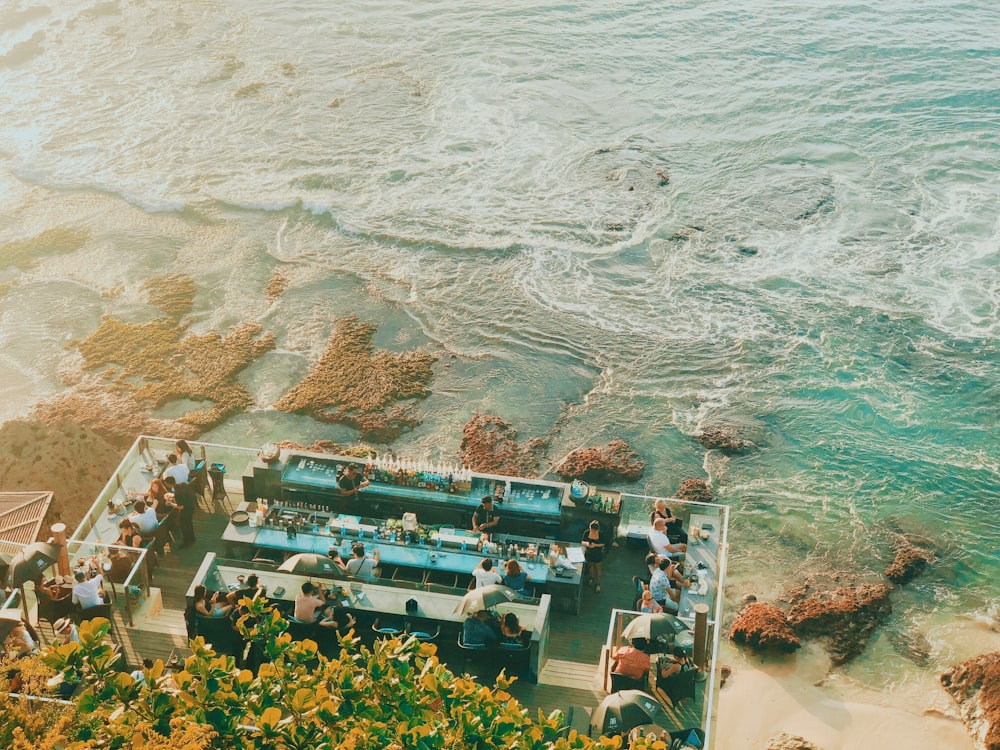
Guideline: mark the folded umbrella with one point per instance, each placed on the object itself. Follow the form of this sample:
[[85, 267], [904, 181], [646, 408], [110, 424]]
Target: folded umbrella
[[485, 597], [621, 711], [30, 562], [4, 566]]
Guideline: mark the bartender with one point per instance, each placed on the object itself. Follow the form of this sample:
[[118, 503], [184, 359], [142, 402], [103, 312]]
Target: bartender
[[351, 482], [485, 518]]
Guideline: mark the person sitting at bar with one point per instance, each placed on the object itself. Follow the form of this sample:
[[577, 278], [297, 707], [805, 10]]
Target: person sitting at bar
[[485, 518], [485, 575], [176, 469], [360, 565], [87, 592], [334, 554], [512, 631], [249, 590], [209, 603], [351, 482], [516, 578], [477, 630], [143, 518], [675, 527], [659, 542], [307, 602], [339, 618]]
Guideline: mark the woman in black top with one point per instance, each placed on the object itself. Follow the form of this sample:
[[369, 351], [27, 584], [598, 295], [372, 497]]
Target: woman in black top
[[595, 544]]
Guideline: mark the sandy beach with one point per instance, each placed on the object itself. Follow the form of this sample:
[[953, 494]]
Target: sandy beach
[[798, 695]]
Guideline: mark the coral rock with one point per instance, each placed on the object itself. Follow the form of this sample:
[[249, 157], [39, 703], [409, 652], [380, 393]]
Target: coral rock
[[975, 686], [785, 741], [696, 490], [356, 385], [847, 616], [172, 294], [763, 627], [490, 445], [722, 439], [615, 462], [910, 562]]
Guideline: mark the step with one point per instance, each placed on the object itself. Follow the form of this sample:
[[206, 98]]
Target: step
[[569, 674]]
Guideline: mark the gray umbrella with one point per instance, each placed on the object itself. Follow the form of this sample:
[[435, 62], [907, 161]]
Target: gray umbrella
[[648, 626], [621, 711], [485, 597], [31, 562], [309, 563]]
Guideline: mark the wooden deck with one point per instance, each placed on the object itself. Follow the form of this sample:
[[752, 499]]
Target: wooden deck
[[571, 678]]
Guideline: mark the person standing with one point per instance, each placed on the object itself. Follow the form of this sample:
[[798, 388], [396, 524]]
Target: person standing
[[595, 545], [187, 502], [351, 482], [485, 519]]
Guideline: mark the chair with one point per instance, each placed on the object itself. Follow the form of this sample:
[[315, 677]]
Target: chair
[[101, 610], [414, 575], [423, 630], [218, 631], [515, 657], [301, 630], [624, 682], [471, 649], [442, 578], [388, 626], [677, 687]]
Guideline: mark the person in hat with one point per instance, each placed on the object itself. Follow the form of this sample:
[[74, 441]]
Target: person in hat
[[485, 519], [66, 631]]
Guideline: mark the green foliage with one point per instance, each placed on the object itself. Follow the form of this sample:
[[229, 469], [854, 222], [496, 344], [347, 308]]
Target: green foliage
[[394, 695]]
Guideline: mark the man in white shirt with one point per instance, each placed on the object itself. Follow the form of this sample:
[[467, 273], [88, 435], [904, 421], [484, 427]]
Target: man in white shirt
[[361, 566], [144, 518], [87, 592], [660, 544], [485, 575], [177, 470]]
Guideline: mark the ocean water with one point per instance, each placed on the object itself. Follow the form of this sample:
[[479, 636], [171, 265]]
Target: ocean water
[[609, 220]]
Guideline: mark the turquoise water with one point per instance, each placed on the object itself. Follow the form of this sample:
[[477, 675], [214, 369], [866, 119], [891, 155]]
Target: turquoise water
[[610, 220]]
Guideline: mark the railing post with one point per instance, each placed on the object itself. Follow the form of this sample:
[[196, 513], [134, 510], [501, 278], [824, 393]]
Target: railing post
[[59, 535], [700, 634]]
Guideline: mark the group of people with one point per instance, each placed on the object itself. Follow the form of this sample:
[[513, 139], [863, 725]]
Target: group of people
[[483, 628], [513, 577], [175, 490]]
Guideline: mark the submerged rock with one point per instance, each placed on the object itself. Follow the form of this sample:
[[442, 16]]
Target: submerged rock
[[911, 644], [357, 385], [910, 562], [975, 686], [848, 617], [615, 462], [785, 741], [696, 490], [764, 627], [490, 445], [724, 440]]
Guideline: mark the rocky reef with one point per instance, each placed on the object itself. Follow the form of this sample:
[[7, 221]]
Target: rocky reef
[[723, 439], [975, 686], [696, 490], [615, 462], [910, 561], [275, 286], [764, 627], [847, 616], [491, 445], [172, 294], [356, 385], [26, 253]]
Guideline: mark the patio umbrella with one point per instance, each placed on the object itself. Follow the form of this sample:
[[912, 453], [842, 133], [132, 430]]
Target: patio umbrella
[[9, 619], [650, 627], [621, 711], [28, 564], [309, 563], [485, 597]]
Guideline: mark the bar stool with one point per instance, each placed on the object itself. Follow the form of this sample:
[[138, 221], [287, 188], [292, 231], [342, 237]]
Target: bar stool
[[388, 627]]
